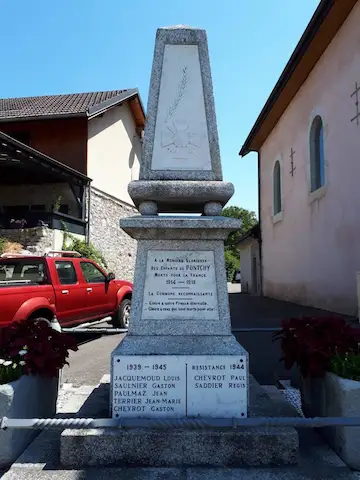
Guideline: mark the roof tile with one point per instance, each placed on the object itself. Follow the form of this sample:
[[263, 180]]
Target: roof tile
[[52, 105]]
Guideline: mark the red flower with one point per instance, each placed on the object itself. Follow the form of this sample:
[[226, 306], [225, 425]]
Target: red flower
[[46, 349], [310, 343]]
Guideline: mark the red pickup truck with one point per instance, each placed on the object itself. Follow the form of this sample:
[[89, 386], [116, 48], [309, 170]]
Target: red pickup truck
[[62, 285]]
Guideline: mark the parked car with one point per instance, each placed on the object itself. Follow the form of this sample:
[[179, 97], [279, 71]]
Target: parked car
[[62, 285]]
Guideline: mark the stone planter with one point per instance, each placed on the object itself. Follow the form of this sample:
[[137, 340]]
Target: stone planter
[[334, 396], [313, 396], [28, 397]]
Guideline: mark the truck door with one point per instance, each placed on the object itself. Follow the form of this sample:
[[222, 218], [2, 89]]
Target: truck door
[[69, 293], [100, 294]]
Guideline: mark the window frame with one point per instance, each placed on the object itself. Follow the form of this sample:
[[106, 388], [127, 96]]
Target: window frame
[[23, 262], [38, 207], [62, 207], [277, 216], [84, 262], [74, 268], [321, 190]]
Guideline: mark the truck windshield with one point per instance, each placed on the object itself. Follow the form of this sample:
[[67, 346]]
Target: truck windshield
[[22, 271]]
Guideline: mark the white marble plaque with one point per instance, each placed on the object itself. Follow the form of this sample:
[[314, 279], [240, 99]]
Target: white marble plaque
[[181, 140], [180, 285], [179, 386]]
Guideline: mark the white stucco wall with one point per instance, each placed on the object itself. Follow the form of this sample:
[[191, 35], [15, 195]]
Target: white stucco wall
[[249, 249], [114, 151], [311, 254], [245, 266]]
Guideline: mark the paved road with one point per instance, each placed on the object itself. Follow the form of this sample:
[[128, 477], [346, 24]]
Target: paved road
[[93, 358], [91, 361]]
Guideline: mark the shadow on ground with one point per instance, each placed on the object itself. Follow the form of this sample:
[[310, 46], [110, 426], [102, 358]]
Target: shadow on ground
[[249, 311]]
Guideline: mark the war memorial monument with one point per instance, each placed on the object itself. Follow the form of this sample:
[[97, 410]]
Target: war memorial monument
[[180, 362]]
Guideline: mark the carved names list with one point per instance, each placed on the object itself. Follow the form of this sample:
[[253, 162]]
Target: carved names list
[[179, 386]]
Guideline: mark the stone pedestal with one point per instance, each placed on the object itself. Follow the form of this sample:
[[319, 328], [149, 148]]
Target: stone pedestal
[[179, 358]]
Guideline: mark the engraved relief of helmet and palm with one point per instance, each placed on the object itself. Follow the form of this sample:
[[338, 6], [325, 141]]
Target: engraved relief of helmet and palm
[[177, 135]]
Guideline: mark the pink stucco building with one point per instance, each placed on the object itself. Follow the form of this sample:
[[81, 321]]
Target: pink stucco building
[[308, 142]]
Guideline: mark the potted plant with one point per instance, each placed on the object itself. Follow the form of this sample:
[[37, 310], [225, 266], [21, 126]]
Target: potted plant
[[32, 354], [326, 352], [18, 224]]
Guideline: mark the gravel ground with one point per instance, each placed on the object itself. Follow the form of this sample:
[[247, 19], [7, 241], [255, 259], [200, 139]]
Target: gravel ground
[[292, 395], [65, 392]]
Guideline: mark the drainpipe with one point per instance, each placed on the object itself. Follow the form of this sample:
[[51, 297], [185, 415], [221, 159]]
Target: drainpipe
[[87, 235], [260, 235], [358, 294]]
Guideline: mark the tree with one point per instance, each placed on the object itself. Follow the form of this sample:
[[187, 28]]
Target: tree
[[232, 257], [249, 220]]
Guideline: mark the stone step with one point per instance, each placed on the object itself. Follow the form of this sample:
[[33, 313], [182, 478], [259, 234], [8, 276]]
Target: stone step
[[329, 473], [178, 447]]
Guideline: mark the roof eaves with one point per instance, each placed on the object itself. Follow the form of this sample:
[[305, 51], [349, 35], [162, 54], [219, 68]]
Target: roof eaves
[[111, 102], [141, 105], [42, 117], [317, 19], [254, 232]]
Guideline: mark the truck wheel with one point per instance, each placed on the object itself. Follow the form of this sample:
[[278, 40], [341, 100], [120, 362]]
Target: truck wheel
[[40, 319], [122, 316]]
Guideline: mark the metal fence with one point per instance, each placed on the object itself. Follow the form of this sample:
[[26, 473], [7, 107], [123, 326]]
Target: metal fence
[[189, 423], [110, 330], [254, 330], [102, 331]]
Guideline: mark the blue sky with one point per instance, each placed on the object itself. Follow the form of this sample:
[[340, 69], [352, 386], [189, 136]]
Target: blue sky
[[69, 46]]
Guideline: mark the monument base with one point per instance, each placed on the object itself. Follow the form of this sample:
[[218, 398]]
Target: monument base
[[178, 447]]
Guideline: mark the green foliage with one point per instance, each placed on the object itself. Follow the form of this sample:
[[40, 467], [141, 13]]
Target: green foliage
[[66, 234], [232, 256], [3, 242], [249, 220], [86, 250], [9, 372], [346, 365], [232, 263], [57, 204]]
